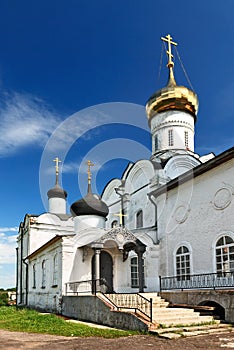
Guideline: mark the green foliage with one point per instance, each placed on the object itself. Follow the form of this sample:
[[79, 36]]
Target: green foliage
[[26, 320], [3, 298]]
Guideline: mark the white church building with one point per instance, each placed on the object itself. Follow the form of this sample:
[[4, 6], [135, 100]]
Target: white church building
[[175, 218]]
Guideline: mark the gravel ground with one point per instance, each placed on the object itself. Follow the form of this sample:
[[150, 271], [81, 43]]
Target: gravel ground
[[26, 341]]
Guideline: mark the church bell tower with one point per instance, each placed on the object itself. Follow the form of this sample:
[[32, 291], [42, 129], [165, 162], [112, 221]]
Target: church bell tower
[[172, 112]]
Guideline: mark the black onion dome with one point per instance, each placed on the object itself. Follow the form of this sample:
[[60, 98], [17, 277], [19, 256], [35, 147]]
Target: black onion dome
[[57, 192], [89, 205]]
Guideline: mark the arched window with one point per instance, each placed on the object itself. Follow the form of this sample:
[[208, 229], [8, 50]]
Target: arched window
[[139, 219], [55, 270], [134, 273], [34, 276], [225, 255], [43, 274], [183, 263], [114, 224]]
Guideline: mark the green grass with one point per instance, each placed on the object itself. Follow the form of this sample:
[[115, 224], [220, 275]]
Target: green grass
[[26, 320]]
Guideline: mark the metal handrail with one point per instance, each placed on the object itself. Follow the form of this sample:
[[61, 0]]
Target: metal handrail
[[85, 286], [132, 301], [198, 281]]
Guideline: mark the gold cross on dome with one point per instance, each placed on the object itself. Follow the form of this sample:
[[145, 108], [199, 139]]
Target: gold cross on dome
[[57, 161], [168, 39], [120, 215], [89, 163]]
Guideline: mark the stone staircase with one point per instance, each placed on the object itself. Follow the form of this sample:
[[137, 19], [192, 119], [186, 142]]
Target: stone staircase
[[163, 316], [166, 316]]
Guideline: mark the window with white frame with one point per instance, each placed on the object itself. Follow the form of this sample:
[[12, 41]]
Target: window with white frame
[[43, 274], [183, 263], [186, 139], [55, 270], [225, 256], [135, 273], [139, 219], [170, 138], [34, 276]]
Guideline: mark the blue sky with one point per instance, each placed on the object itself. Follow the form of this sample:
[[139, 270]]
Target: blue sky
[[60, 57]]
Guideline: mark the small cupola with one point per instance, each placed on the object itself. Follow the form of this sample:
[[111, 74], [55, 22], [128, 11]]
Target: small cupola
[[91, 204], [57, 195]]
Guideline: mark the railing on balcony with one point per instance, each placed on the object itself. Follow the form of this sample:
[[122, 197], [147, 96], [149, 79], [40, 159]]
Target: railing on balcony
[[135, 302], [198, 281]]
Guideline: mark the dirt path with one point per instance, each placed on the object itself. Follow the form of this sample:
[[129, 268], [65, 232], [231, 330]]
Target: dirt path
[[26, 341]]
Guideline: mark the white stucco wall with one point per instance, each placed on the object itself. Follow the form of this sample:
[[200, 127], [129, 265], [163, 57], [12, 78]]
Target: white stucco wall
[[179, 122], [46, 296], [196, 214], [57, 205]]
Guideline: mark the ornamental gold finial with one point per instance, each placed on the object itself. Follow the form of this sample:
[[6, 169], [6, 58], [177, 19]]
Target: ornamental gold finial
[[57, 161], [89, 163], [170, 63], [168, 39]]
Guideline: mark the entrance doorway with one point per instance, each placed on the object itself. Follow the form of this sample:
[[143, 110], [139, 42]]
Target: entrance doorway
[[106, 270]]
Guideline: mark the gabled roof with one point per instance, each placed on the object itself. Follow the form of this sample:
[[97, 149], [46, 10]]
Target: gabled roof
[[47, 244]]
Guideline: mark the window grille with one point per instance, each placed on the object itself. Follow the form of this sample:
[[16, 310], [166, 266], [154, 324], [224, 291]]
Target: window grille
[[55, 270], [34, 275], [43, 276], [225, 256], [170, 138], [186, 139], [156, 143], [135, 273], [183, 263]]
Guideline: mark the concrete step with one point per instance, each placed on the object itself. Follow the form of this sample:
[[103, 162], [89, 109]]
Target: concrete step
[[163, 304], [180, 316], [167, 316], [185, 320], [175, 332], [170, 311]]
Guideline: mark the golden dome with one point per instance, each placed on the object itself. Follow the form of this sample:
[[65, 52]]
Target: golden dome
[[172, 96]]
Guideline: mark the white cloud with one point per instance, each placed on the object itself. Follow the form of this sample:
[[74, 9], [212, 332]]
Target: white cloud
[[25, 120], [75, 167], [9, 229], [8, 277], [70, 130], [7, 256], [7, 248], [71, 167]]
